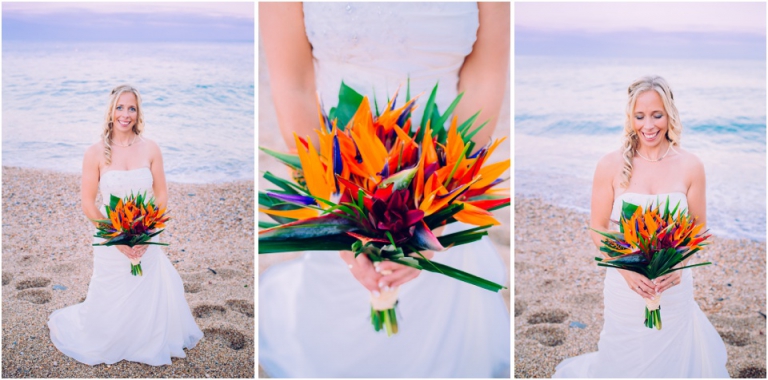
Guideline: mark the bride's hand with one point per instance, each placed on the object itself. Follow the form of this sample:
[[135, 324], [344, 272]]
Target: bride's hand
[[398, 274], [668, 280], [139, 251], [363, 270], [639, 283], [126, 250]]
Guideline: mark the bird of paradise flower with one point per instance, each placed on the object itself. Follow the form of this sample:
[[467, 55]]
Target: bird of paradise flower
[[376, 186], [131, 221], [652, 242]]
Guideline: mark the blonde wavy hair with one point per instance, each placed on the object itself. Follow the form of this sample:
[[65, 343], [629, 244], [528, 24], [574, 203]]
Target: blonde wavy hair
[[630, 140], [106, 133]]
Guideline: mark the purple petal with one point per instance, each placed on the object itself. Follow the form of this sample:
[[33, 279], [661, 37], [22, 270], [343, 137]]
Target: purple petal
[[293, 198], [413, 216], [425, 239]]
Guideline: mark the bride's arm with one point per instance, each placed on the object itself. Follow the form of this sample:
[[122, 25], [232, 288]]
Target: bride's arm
[[89, 185], [697, 207], [483, 76], [602, 196], [159, 186], [291, 70], [600, 217]]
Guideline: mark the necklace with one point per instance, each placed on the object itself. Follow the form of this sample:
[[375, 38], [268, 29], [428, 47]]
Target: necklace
[[656, 160], [132, 141]]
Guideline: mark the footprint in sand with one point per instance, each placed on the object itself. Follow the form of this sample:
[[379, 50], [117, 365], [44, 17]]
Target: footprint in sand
[[7, 278], [546, 335], [38, 296], [34, 282], [229, 337], [241, 306], [735, 338], [519, 307], [205, 311], [192, 287], [752, 373], [548, 316]]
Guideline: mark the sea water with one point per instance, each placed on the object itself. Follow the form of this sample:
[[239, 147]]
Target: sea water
[[198, 104], [569, 112]]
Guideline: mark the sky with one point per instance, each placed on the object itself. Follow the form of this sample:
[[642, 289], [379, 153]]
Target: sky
[[129, 22], [671, 30]]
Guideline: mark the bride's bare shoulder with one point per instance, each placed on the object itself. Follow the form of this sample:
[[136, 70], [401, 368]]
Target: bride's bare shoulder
[[95, 150], [611, 162], [690, 161]]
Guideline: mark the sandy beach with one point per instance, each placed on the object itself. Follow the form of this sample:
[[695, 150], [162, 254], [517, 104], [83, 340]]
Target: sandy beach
[[47, 264], [559, 292]]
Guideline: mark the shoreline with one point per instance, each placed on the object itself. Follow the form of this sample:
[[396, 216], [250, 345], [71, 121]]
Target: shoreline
[[557, 284], [211, 227]]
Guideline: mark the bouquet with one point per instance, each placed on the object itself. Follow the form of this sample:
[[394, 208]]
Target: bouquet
[[652, 243], [131, 221], [375, 187]]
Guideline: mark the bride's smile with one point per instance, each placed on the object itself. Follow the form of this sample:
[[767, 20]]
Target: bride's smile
[[650, 123]]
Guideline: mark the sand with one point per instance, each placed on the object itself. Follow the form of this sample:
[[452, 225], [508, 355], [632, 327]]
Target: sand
[[557, 282], [47, 245]]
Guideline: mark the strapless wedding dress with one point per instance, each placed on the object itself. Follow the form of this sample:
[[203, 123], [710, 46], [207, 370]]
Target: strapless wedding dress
[[314, 317], [124, 317], [686, 346]]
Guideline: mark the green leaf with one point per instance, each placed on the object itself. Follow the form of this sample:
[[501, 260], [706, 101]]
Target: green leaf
[[286, 185], [349, 101], [427, 114], [450, 109], [291, 160], [113, 201], [627, 209], [325, 225], [339, 242], [463, 128], [472, 134]]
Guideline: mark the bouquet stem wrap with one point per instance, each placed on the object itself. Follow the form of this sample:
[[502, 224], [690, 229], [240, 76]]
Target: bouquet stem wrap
[[383, 313], [653, 312], [136, 268]]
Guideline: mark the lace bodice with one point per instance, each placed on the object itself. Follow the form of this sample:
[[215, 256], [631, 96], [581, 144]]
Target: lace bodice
[[645, 200], [122, 182], [380, 45]]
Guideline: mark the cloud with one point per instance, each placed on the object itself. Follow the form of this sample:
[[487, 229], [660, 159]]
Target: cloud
[[641, 44], [139, 22]]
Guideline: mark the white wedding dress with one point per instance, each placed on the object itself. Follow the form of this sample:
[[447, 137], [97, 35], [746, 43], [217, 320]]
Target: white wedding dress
[[686, 346], [124, 317], [314, 317]]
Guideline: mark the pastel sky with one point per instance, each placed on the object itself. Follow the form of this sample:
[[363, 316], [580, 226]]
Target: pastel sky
[[130, 22], [672, 30]]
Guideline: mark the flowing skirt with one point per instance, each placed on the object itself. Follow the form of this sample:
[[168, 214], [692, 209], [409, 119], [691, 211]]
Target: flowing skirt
[[686, 346], [314, 321], [124, 317]]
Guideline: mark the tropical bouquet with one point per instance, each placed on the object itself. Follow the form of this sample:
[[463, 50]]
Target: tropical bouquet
[[378, 187], [652, 242], [131, 221]]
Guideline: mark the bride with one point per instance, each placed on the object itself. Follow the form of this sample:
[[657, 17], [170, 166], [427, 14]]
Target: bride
[[124, 317], [314, 316], [650, 167]]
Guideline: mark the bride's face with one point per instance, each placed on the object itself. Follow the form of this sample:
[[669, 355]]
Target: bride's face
[[650, 119], [125, 113]]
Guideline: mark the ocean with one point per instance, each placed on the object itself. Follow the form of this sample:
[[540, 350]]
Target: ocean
[[569, 112], [198, 104]]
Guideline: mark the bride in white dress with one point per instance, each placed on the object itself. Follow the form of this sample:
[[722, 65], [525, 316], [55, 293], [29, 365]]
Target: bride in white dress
[[314, 312], [650, 168], [124, 317]]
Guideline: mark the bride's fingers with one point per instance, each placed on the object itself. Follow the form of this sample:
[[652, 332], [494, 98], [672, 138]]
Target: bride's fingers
[[389, 266], [398, 278], [644, 290]]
